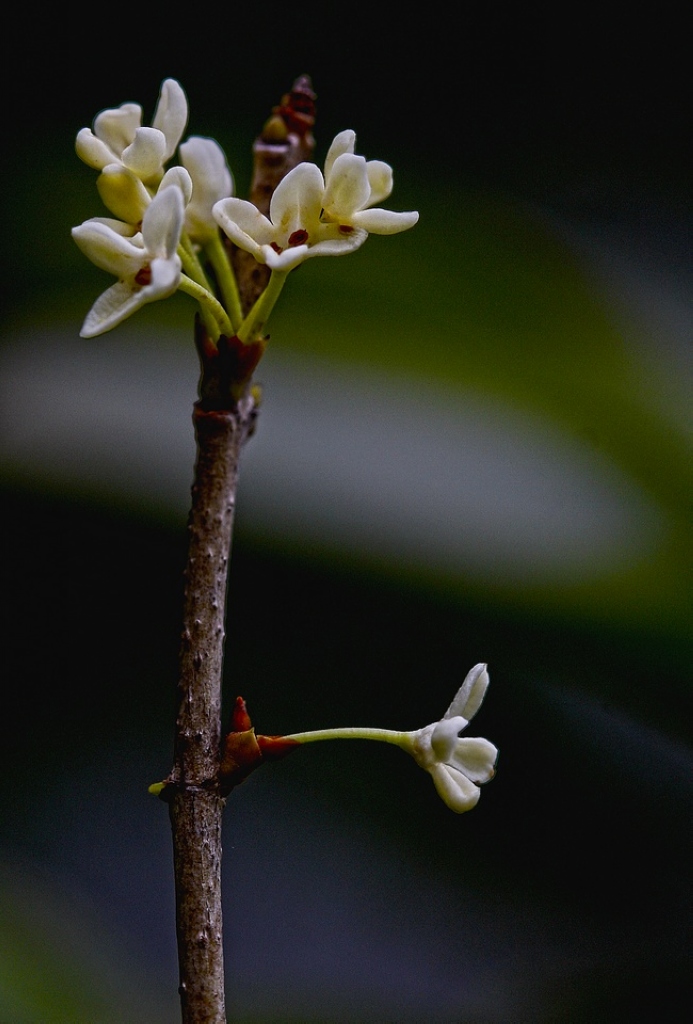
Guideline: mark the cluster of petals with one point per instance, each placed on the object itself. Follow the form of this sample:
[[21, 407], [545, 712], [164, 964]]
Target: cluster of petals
[[145, 261], [310, 214], [118, 136], [203, 179], [315, 215], [458, 765], [151, 207]]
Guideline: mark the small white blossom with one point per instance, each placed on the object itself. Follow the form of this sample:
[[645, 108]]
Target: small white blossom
[[212, 181], [458, 765], [119, 138], [353, 185], [293, 232], [145, 262], [312, 215]]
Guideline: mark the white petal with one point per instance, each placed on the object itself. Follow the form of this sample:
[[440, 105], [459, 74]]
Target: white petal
[[455, 788], [112, 307], [475, 757], [94, 152], [146, 153], [380, 180], [206, 162], [339, 244], [468, 698], [179, 178], [243, 223], [212, 181], [445, 737], [163, 222], [110, 250], [123, 298], [345, 142], [165, 278], [123, 193], [347, 189], [120, 228], [287, 259], [297, 201], [171, 115], [384, 222], [117, 127]]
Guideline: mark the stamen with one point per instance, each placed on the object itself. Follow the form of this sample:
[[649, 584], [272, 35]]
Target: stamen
[[143, 276], [299, 237]]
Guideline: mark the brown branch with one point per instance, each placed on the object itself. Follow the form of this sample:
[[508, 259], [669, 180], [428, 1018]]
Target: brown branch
[[224, 418], [193, 791]]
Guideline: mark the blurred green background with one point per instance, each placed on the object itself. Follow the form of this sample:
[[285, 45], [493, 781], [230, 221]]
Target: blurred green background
[[475, 445]]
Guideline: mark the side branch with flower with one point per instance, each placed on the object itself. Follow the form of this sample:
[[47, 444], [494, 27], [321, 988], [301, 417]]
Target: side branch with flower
[[180, 228], [458, 765]]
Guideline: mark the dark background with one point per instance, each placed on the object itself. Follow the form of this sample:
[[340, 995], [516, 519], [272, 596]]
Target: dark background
[[352, 895]]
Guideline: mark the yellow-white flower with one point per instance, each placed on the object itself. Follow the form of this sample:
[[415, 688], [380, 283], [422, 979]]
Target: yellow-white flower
[[119, 138], [311, 215], [145, 262], [458, 765], [293, 232], [353, 185]]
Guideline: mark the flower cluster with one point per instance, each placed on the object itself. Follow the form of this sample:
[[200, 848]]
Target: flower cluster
[[161, 215], [165, 232]]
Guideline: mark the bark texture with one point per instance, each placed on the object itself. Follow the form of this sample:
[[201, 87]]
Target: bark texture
[[224, 417], [195, 800]]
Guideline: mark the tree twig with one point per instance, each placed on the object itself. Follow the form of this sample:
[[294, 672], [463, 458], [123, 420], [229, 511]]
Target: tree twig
[[224, 418], [195, 801]]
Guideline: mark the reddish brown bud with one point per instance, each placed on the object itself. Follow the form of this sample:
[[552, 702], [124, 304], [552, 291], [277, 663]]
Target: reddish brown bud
[[243, 751], [241, 755], [240, 719], [297, 108]]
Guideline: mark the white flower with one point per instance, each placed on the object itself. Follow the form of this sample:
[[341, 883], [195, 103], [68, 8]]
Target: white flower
[[458, 765], [314, 216], [146, 262], [353, 185], [119, 138], [293, 232], [212, 181]]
